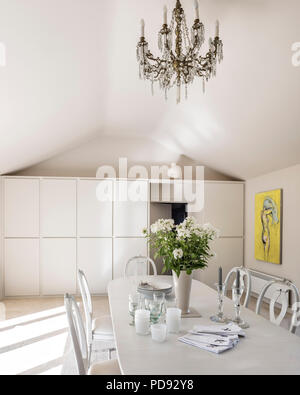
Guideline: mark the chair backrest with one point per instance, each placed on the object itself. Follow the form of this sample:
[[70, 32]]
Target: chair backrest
[[139, 266], [87, 305], [245, 275], [281, 291], [77, 334]]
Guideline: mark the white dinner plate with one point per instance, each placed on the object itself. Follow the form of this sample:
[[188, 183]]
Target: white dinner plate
[[155, 286]]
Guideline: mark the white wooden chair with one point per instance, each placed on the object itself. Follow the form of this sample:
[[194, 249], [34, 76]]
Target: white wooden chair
[[281, 291], [138, 266], [97, 329], [80, 345], [245, 275]]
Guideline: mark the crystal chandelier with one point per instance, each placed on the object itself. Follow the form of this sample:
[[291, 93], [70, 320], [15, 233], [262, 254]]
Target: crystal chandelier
[[180, 61]]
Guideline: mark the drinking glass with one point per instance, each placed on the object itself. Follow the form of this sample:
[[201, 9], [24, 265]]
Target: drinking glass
[[155, 308], [134, 304], [173, 320], [159, 332], [142, 322]]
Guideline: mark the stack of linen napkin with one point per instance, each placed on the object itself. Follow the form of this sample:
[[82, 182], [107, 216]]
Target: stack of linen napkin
[[214, 338]]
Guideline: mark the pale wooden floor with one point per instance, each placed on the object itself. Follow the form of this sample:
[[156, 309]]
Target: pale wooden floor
[[14, 308]]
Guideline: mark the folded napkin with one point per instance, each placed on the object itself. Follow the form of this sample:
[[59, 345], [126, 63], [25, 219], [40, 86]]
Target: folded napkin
[[214, 338], [217, 349], [229, 329]]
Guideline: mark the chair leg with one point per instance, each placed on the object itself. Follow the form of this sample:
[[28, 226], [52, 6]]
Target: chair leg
[[90, 353]]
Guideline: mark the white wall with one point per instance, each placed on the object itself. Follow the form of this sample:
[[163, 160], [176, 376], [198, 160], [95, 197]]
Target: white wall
[[1, 244], [289, 180], [84, 160]]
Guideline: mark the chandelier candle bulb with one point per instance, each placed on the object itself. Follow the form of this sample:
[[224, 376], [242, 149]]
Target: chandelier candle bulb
[[217, 29], [142, 28], [197, 9], [165, 15]]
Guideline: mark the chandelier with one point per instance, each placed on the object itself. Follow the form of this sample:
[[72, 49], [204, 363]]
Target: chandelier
[[180, 62]]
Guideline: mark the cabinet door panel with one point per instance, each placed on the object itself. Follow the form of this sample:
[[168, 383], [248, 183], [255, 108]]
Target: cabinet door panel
[[224, 208], [21, 267], [124, 249], [58, 208], [130, 213], [58, 266], [94, 214], [95, 259], [21, 208], [230, 254]]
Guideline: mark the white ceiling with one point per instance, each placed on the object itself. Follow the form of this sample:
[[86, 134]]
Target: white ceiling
[[72, 75]]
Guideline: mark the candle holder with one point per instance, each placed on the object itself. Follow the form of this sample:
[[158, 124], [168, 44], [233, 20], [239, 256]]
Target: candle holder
[[237, 294], [219, 317]]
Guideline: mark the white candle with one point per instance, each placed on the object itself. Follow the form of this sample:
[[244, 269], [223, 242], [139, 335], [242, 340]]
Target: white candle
[[173, 320], [142, 28], [197, 9], [142, 322], [159, 332], [165, 15], [217, 29]]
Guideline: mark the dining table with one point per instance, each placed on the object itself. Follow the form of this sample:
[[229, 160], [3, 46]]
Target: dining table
[[266, 349]]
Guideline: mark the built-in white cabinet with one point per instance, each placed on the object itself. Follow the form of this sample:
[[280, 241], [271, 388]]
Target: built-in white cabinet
[[58, 208], [21, 257], [124, 249], [94, 208], [21, 202], [130, 208], [58, 266], [95, 259], [224, 207], [53, 226]]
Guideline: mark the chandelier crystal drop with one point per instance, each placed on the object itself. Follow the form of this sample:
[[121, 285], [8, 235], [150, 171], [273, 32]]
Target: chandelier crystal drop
[[180, 61]]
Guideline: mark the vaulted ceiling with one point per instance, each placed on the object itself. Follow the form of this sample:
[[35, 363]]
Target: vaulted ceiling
[[71, 75]]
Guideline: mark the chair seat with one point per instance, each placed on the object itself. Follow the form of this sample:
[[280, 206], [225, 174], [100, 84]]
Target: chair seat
[[102, 328], [107, 368]]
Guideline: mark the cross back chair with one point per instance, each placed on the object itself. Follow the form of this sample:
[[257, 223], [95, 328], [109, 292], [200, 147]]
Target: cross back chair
[[138, 266], [80, 346], [245, 275], [281, 292], [98, 329]]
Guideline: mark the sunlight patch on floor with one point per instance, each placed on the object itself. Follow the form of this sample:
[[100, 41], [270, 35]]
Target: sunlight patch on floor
[[30, 356], [32, 317], [23, 333]]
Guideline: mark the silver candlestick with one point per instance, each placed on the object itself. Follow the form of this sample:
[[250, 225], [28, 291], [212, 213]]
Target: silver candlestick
[[237, 294], [219, 317]]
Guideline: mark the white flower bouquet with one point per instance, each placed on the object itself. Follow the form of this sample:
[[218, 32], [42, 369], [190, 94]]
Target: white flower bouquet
[[185, 247]]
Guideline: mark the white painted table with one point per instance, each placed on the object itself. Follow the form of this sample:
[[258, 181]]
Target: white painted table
[[267, 349]]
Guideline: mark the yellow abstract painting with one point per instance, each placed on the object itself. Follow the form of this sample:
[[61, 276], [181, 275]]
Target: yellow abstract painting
[[268, 226]]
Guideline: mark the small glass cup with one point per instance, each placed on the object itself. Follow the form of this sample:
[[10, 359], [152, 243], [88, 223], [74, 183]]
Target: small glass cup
[[220, 317], [142, 322], [136, 302], [159, 332], [237, 294], [173, 320]]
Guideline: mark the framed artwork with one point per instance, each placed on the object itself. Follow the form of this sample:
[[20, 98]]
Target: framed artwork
[[268, 226]]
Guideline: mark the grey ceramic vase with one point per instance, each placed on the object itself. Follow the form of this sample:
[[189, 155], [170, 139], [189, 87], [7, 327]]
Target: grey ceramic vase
[[183, 286]]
